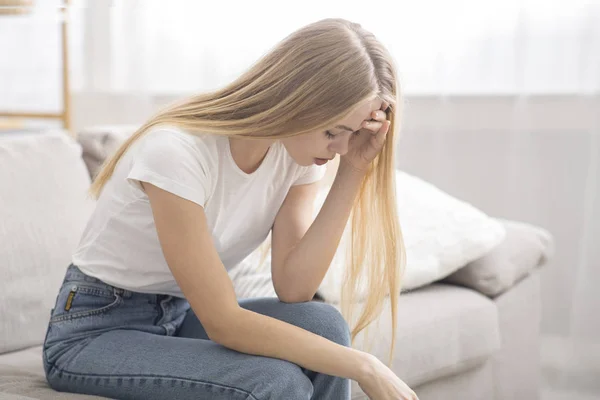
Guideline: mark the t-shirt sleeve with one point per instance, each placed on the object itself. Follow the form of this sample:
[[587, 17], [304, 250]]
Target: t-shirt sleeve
[[310, 174], [175, 163]]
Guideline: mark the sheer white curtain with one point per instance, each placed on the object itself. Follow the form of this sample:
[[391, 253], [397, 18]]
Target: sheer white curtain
[[442, 48]]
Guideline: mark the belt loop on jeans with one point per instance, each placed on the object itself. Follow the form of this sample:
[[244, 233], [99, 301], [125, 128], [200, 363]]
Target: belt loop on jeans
[[122, 292]]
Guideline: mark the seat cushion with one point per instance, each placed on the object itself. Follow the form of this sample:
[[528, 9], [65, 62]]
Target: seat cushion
[[442, 330], [44, 209], [22, 378]]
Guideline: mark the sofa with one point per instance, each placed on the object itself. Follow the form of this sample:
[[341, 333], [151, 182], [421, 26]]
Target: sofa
[[471, 335]]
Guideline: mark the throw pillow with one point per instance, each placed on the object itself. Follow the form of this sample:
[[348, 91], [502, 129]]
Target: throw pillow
[[524, 248]]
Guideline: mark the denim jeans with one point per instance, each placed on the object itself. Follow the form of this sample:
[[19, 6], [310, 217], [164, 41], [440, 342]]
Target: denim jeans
[[107, 341]]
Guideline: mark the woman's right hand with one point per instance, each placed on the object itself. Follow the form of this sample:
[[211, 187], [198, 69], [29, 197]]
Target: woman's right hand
[[381, 383]]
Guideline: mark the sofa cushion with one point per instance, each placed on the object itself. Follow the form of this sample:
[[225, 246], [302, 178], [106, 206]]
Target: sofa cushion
[[442, 330], [27, 361], [43, 213], [22, 378], [524, 248]]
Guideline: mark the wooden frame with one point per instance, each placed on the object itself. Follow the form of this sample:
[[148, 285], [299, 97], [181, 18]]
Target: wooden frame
[[65, 115]]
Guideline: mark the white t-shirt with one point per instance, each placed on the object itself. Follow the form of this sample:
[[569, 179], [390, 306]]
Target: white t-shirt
[[120, 245]]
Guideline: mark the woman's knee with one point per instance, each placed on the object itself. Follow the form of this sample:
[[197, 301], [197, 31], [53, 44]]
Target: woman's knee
[[317, 317], [325, 320]]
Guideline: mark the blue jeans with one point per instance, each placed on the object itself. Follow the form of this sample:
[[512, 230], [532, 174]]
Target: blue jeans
[[111, 342]]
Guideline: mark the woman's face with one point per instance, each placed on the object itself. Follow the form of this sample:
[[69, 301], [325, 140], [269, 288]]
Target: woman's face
[[320, 146]]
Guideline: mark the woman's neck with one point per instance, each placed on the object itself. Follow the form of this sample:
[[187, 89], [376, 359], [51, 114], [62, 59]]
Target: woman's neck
[[248, 154]]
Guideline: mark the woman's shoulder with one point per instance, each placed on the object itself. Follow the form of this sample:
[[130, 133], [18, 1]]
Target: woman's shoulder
[[171, 137], [173, 150], [176, 134]]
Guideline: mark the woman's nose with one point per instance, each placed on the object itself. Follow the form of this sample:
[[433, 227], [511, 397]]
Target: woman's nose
[[340, 146]]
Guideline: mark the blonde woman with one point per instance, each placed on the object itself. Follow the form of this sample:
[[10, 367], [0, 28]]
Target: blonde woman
[[147, 309]]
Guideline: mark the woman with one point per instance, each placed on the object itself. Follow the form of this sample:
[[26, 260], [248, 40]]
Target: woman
[[147, 309]]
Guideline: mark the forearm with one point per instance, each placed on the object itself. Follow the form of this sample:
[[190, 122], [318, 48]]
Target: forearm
[[254, 333], [308, 262]]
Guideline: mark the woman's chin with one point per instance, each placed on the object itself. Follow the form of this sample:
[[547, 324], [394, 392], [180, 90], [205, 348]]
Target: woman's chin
[[305, 162]]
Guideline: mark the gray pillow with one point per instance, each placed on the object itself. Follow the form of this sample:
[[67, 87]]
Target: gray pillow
[[524, 248], [98, 143]]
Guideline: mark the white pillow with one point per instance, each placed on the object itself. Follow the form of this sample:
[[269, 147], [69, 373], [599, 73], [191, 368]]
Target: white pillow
[[43, 210], [441, 235]]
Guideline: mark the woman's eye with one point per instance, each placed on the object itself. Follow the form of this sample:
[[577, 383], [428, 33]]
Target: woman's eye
[[332, 136]]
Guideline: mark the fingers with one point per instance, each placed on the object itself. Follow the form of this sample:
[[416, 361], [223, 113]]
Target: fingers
[[414, 395], [373, 126], [378, 139], [378, 119], [376, 126], [379, 115]]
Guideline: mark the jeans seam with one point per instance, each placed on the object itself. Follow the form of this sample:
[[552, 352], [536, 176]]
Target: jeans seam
[[163, 377]]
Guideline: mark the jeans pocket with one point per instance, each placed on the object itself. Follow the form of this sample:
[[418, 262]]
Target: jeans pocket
[[83, 299]]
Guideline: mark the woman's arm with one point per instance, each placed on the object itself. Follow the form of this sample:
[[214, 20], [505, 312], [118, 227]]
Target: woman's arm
[[187, 245], [300, 257], [301, 260]]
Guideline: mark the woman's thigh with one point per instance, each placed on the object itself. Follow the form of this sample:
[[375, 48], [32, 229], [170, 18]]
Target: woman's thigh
[[111, 342], [129, 364]]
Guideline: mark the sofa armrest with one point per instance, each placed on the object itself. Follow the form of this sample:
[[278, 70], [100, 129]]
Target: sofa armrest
[[524, 248]]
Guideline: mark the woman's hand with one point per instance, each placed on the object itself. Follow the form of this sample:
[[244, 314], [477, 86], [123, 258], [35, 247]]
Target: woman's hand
[[380, 383], [368, 141]]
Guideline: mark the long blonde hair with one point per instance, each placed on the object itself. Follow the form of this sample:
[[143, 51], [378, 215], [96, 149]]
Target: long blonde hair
[[308, 81]]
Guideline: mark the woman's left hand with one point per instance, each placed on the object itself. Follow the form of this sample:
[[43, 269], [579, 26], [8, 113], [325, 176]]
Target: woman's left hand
[[368, 142]]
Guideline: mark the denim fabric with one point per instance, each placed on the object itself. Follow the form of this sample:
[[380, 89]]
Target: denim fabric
[[111, 342]]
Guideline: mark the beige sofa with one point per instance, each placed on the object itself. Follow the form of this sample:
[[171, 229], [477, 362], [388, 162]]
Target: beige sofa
[[472, 335]]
